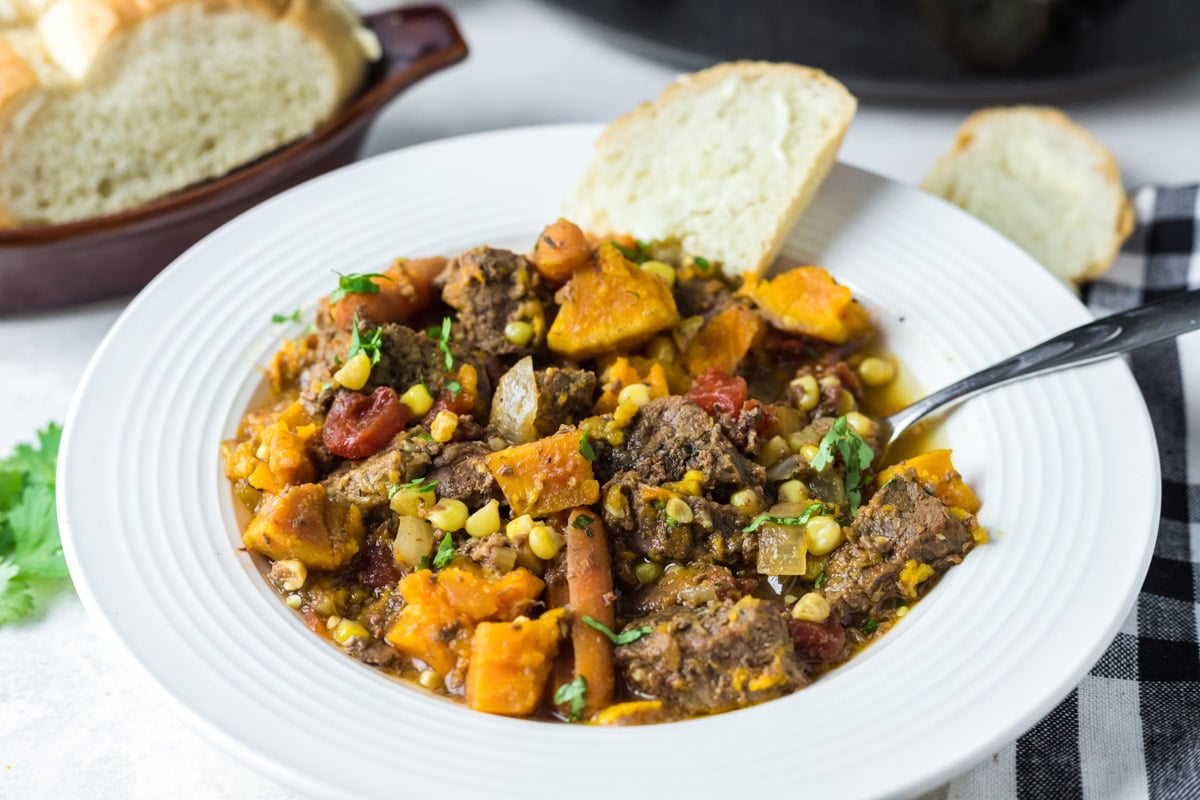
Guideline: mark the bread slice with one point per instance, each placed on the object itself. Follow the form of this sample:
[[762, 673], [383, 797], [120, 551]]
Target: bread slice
[[724, 161], [107, 104], [1044, 182]]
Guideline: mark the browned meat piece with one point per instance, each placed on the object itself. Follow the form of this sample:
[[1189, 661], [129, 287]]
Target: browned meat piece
[[491, 288], [641, 526], [407, 357], [715, 658], [460, 473], [365, 483], [902, 522], [692, 585], [564, 397], [375, 653], [530, 405], [493, 552], [702, 297], [671, 435], [819, 642], [833, 382]]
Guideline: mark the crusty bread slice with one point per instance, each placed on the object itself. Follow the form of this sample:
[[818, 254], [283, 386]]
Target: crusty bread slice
[[107, 104], [724, 161], [1043, 181]]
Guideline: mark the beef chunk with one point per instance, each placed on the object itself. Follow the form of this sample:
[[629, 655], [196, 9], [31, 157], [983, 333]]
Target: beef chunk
[[641, 526], [530, 404], [460, 473], [819, 642], [704, 297], [715, 658], [493, 552], [564, 397], [903, 522], [375, 653], [491, 288], [692, 585], [407, 357], [671, 435], [365, 483]]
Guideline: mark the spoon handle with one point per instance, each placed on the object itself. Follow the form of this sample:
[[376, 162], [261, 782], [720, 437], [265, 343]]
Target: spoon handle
[[1118, 333]]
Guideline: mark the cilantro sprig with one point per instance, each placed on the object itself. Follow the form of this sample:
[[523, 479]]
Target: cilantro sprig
[[573, 695], [442, 335], [279, 319], [631, 635], [445, 552], [637, 256], [30, 549], [813, 509], [356, 283], [420, 485], [856, 454], [372, 346], [585, 448]]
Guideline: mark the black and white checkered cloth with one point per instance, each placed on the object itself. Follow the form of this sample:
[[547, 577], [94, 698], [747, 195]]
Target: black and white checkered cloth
[[1131, 728]]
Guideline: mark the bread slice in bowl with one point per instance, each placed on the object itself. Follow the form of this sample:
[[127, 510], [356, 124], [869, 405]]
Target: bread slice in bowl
[[723, 162], [1043, 181], [132, 100]]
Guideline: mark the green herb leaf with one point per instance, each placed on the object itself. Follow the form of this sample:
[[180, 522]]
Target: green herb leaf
[[279, 319], [812, 510], [702, 263], [869, 626], [445, 553], [442, 335], [636, 256], [372, 347], [631, 635], [820, 581], [356, 283], [424, 563], [585, 448], [856, 454], [454, 387], [15, 599], [420, 485], [582, 521], [326, 386], [573, 695]]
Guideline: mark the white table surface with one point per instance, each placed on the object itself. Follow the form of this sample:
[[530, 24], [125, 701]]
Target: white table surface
[[77, 720]]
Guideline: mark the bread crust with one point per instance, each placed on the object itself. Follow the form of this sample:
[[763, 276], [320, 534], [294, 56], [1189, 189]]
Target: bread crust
[[1122, 225]]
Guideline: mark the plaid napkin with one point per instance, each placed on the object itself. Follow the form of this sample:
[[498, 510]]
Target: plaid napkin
[[1131, 728]]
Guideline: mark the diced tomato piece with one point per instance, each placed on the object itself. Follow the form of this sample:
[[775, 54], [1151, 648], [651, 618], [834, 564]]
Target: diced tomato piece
[[718, 393], [360, 425]]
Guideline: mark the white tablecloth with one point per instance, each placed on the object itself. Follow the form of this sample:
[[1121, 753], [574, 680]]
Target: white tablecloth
[[76, 721]]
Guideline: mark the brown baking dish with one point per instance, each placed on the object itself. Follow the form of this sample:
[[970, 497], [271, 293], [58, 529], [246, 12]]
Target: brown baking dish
[[57, 265]]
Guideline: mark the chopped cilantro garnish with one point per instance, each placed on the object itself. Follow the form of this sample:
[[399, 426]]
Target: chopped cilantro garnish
[[454, 387], [582, 522], [372, 346], [424, 563], [420, 485], [356, 283], [869, 626], [631, 635], [30, 550], [442, 335], [636, 256], [856, 455], [445, 553], [326, 386], [702, 263], [811, 511], [572, 694], [635, 294], [279, 319], [820, 581], [585, 448]]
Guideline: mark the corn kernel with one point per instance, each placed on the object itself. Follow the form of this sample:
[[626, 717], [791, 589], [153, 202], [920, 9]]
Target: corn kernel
[[661, 269], [875, 371], [410, 502], [775, 449], [862, 424], [348, 629], [294, 601], [413, 542], [444, 424], [845, 403], [332, 622], [545, 542], [808, 452], [418, 399], [518, 332], [692, 484], [793, 491], [823, 534], [290, 574], [518, 527], [648, 572], [662, 349], [679, 511], [636, 394], [355, 372], [811, 607], [746, 501], [485, 521], [448, 514], [431, 679], [809, 393]]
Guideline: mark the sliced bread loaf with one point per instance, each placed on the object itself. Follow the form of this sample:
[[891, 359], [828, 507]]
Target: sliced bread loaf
[[107, 104], [1044, 182], [724, 161]]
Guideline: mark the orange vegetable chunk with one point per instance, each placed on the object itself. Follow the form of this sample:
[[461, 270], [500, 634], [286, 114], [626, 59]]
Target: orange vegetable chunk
[[621, 373], [808, 301], [610, 304], [510, 663], [302, 523], [589, 579], [724, 341], [545, 476], [934, 467]]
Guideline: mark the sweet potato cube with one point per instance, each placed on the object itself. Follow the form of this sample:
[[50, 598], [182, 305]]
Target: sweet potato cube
[[724, 341], [302, 523], [610, 304], [808, 301], [510, 662], [935, 468], [622, 373], [545, 476]]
